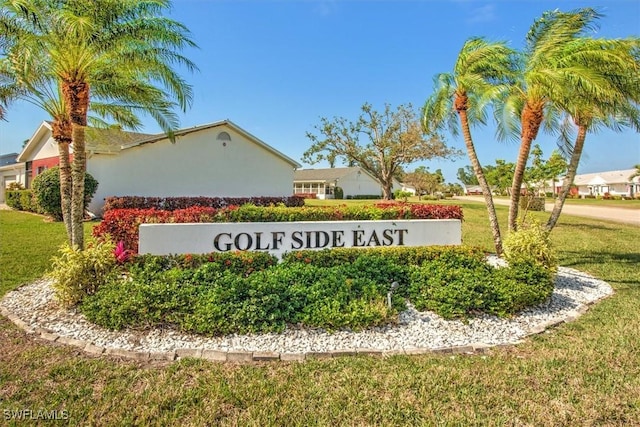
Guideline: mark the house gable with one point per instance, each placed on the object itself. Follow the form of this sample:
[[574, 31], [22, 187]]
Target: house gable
[[222, 126], [41, 145], [215, 160], [353, 181]]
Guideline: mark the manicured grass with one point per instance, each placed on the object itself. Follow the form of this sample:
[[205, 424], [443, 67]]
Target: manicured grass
[[626, 204], [583, 373]]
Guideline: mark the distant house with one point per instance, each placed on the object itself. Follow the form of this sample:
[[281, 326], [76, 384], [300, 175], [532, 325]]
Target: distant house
[[472, 190], [354, 181], [611, 182], [218, 159], [11, 171], [615, 183], [408, 188]]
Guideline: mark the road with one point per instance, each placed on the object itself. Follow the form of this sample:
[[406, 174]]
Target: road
[[626, 216]]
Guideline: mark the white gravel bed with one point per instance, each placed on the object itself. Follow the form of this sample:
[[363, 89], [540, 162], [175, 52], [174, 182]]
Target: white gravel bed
[[34, 304]]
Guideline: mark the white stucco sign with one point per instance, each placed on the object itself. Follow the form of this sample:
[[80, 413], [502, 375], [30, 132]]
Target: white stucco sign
[[280, 237]]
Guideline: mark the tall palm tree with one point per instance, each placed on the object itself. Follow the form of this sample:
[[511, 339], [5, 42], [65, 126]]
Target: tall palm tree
[[612, 101], [121, 102], [461, 98], [545, 73], [87, 45]]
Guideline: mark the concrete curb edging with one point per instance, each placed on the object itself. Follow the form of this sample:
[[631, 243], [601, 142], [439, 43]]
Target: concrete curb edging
[[262, 356]]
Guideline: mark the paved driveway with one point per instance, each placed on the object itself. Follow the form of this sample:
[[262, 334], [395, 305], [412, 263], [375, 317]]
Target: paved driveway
[[627, 216]]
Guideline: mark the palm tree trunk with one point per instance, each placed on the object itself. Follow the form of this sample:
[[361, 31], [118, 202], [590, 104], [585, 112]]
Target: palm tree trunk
[[62, 134], [572, 169], [77, 99], [482, 181], [531, 121]]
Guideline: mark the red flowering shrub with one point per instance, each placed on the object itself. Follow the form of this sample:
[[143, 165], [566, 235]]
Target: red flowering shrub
[[436, 211], [122, 255], [176, 203], [122, 224], [307, 195]]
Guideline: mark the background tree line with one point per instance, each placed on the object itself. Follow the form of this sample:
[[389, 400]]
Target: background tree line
[[540, 176]]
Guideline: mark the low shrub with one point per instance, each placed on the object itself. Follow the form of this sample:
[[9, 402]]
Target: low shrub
[[307, 195], [12, 199], [241, 263], [176, 203], [447, 290], [364, 197], [532, 203], [152, 301], [77, 274], [22, 200], [212, 301], [531, 243], [338, 193], [453, 292], [15, 186], [248, 292], [409, 255], [402, 195], [46, 189], [28, 202]]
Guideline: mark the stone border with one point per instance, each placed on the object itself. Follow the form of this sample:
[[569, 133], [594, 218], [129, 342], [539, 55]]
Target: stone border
[[262, 356]]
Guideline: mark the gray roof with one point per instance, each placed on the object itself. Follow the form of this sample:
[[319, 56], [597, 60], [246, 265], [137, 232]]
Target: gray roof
[[8, 159], [324, 175], [111, 139], [607, 177], [150, 139]]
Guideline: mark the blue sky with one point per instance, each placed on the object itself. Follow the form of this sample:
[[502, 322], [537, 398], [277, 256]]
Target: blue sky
[[276, 67]]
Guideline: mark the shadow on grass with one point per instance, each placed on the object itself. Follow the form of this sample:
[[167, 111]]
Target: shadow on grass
[[590, 225], [582, 259]]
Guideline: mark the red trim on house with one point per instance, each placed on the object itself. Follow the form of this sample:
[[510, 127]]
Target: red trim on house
[[47, 163]]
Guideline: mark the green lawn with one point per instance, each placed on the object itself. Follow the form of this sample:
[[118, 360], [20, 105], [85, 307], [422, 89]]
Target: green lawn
[[626, 204], [585, 373]]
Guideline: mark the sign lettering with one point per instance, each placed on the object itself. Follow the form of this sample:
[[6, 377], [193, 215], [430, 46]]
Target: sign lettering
[[280, 237]]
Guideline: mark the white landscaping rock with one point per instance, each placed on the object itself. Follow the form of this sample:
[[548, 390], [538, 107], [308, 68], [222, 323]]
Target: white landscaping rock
[[34, 304]]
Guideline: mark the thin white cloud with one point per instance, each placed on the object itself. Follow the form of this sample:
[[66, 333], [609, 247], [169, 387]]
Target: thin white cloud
[[324, 7], [482, 14]]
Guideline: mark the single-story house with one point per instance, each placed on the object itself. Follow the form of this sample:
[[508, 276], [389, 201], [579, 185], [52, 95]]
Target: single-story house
[[408, 188], [354, 181], [472, 190], [219, 159], [616, 183], [11, 171]]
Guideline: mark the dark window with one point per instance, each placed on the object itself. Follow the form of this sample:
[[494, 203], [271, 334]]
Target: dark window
[[28, 172]]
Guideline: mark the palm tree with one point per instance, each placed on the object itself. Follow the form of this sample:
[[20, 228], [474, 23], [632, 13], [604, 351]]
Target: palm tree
[[480, 73], [612, 101], [36, 89], [39, 89], [546, 73], [91, 45]]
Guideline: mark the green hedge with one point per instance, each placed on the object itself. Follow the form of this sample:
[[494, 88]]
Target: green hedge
[[249, 292], [22, 200], [532, 203], [46, 190]]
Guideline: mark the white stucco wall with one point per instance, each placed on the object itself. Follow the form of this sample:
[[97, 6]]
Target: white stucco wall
[[45, 148], [196, 165], [9, 174], [356, 184]]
